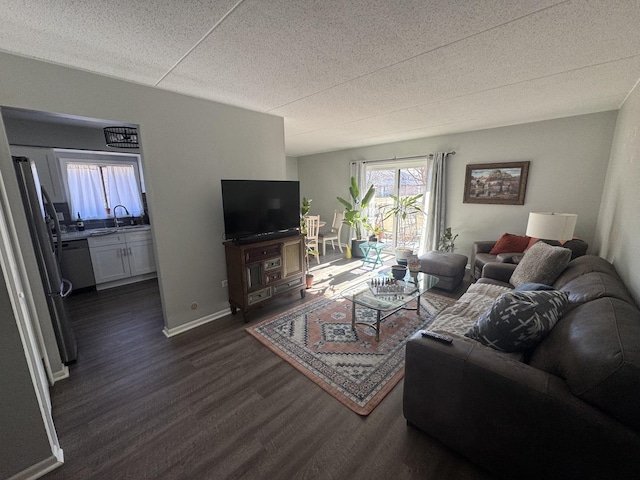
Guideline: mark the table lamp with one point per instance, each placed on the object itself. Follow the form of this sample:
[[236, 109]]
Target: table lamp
[[551, 226]]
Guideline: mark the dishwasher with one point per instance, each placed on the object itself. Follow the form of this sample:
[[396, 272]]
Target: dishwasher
[[76, 264]]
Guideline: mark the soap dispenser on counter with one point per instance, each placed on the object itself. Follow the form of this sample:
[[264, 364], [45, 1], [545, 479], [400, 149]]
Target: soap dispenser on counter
[[79, 223]]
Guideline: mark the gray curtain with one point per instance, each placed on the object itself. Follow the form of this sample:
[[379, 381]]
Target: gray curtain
[[435, 221]]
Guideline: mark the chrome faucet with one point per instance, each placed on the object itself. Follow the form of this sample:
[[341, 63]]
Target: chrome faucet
[[115, 216]]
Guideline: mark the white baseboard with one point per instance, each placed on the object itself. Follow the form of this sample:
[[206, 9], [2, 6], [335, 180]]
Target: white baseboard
[[41, 468], [126, 281], [172, 332], [61, 375]]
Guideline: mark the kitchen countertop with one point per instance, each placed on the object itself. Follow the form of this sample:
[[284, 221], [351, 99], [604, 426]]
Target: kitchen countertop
[[69, 236]]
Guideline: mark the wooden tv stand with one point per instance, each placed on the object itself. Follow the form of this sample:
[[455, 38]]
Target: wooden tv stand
[[263, 271]]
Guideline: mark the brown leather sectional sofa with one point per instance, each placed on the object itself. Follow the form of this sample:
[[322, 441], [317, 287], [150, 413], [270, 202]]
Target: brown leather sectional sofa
[[480, 255], [568, 409]]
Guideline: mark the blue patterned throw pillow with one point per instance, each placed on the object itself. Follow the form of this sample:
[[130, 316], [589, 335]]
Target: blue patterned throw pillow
[[530, 286], [519, 320]]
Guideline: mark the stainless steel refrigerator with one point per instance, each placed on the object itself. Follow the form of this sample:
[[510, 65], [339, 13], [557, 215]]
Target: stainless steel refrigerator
[[42, 218]]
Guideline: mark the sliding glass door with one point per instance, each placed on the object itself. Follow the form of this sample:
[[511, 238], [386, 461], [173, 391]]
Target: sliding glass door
[[400, 180]]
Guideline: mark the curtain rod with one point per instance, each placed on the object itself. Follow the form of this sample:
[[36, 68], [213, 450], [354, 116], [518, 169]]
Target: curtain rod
[[428, 155]]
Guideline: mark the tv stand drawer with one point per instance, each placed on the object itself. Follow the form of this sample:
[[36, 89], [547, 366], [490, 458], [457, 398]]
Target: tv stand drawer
[[273, 276], [285, 287], [259, 253], [272, 264], [259, 296]]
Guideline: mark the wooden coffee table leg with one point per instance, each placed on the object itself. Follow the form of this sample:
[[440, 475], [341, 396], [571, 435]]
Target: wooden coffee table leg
[[378, 326]]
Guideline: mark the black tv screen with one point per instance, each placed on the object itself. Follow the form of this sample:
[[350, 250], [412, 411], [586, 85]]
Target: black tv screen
[[257, 208]]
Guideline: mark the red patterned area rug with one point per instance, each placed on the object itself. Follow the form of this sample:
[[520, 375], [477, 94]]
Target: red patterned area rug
[[316, 338]]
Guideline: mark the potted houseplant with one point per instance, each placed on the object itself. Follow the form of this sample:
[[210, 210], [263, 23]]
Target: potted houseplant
[[309, 280], [446, 243], [304, 211], [403, 208], [353, 214], [375, 230]]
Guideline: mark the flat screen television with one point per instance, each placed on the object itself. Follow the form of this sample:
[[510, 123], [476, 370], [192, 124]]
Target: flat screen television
[[260, 209]]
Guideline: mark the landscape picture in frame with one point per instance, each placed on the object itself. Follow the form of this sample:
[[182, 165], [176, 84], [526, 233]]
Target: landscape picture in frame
[[496, 183]]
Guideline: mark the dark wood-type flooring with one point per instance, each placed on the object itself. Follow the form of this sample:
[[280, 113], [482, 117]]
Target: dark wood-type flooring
[[214, 403]]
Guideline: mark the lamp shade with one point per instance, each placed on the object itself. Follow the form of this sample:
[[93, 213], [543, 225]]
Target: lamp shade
[[551, 226]]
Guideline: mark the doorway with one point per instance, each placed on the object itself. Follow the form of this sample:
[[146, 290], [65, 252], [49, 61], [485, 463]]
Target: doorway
[[397, 180], [50, 136]]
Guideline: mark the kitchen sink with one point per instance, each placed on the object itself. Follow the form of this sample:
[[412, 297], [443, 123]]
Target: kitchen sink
[[133, 227], [107, 231], [103, 231]]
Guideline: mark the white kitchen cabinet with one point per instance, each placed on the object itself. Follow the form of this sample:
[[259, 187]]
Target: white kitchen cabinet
[[140, 252], [48, 169], [109, 263], [121, 258]]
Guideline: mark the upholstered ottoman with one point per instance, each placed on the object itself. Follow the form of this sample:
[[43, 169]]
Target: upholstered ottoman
[[448, 267]]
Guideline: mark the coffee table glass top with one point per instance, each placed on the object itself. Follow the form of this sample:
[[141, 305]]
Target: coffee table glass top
[[409, 288]]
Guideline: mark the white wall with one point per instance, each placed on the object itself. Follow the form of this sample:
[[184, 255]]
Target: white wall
[[618, 228], [568, 165], [46, 134], [292, 168], [188, 145], [23, 441]]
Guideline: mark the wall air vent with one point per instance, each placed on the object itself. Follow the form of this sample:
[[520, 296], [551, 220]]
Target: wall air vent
[[121, 137]]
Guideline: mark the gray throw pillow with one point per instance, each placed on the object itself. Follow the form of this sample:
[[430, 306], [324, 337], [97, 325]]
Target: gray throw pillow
[[519, 320], [542, 263]]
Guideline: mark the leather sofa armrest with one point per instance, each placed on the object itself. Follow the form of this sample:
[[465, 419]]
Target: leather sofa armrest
[[506, 415], [482, 246], [498, 271]]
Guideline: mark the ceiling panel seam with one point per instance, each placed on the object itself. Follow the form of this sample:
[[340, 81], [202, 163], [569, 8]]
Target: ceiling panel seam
[[204, 37], [476, 92], [420, 54]]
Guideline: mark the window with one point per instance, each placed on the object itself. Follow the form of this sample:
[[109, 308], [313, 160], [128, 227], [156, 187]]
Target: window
[[95, 187], [398, 180]]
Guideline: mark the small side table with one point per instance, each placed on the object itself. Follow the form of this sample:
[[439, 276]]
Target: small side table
[[371, 252]]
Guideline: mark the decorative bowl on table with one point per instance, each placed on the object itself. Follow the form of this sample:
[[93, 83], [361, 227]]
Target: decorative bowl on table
[[398, 271], [413, 262]]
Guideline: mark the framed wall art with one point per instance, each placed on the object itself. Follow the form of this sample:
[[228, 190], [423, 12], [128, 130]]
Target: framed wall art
[[496, 183]]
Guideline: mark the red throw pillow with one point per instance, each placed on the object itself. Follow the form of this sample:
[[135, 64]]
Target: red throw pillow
[[509, 243], [532, 240]]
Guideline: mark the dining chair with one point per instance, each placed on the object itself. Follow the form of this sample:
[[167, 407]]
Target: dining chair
[[334, 233], [311, 238]]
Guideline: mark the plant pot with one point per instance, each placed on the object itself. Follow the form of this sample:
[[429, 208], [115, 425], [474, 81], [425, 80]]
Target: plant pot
[[309, 280], [355, 248], [398, 271], [402, 253]]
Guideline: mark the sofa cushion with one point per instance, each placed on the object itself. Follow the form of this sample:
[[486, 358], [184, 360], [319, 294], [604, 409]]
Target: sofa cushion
[[542, 263], [577, 246], [459, 317], [594, 285], [595, 349], [509, 243], [519, 320], [582, 265]]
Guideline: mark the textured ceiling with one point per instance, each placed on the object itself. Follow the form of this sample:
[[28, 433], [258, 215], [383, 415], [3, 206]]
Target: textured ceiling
[[353, 72]]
